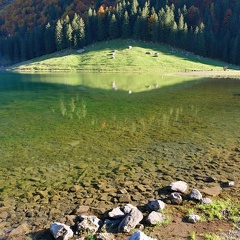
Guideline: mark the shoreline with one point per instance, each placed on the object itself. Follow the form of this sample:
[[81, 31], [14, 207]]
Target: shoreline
[[192, 73]]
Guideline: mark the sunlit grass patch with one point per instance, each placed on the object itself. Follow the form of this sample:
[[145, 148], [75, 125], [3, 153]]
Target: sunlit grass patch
[[99, 57]]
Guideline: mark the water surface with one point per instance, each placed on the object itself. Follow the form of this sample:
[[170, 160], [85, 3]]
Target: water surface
[[63, 130]]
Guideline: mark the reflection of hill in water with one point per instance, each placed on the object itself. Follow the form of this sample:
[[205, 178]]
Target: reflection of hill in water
[[124, 81]]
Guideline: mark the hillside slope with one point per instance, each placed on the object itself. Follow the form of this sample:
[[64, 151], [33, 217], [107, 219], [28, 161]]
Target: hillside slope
[[123, 56]]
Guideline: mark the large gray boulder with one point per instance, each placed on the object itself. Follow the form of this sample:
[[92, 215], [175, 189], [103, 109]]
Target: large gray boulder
[[130, 221]]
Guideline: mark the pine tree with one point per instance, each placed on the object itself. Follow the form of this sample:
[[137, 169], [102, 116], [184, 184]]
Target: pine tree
[[23, 49], [17, 54], [101, 31], [155, 29], [59, 35], [81, 34], [113, 28], [49, 39], [136, 29], [144, 33], [181, 38], [91, 26], [31, 45], [133, 12], [75, 30], [69, 37], [126, 31], [38, 41]]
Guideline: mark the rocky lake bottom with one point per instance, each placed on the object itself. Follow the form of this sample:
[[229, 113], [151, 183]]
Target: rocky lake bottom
[[65, 148]]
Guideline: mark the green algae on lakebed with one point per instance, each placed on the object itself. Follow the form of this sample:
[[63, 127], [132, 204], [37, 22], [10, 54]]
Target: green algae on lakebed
[[62, 142]]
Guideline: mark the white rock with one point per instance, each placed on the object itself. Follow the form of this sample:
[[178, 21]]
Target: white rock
[[231, 184], [193, 218], [155, 218], [116, 213], [195, 195], [138, 235], [176, 198], [128, 208], [89, 224], [61, 230], [130, 221], [206, 201], [179, 186], [156, 205]]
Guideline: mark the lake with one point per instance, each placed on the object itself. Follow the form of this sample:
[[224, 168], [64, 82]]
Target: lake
[[71, 138]]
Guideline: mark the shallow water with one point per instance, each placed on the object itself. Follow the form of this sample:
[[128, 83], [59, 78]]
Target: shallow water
[[59, 131]]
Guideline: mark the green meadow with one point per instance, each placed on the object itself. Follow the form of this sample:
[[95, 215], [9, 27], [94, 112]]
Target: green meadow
[[123, 56]]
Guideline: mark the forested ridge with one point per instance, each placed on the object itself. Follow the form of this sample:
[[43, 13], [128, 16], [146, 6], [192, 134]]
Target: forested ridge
[[208, 28]]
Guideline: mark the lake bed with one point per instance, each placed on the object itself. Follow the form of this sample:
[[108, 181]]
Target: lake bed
[[70, 138]]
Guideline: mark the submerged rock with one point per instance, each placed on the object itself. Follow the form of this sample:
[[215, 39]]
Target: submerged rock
[[212, 191], [21, 229]]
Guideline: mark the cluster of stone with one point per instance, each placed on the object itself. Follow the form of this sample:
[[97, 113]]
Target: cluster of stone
[[127, 218], [119, 220]]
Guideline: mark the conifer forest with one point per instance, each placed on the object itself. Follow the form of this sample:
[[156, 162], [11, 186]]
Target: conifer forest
[[208, 28]]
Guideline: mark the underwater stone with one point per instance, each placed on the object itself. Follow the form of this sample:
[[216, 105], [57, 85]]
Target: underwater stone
[[212, 191]]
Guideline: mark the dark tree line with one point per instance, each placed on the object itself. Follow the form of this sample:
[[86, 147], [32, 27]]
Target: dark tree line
[[209, 29]]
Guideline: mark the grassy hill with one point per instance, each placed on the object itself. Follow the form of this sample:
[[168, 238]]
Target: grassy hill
[[123, 56]]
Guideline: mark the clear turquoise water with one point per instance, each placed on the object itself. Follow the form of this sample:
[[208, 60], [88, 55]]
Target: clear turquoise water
[[57, 130]]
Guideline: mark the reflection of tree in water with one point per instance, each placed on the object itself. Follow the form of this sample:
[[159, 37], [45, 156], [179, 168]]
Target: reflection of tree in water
[[73, 108]]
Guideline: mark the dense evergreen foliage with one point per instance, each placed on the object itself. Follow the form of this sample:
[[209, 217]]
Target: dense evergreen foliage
[[205, 27]]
